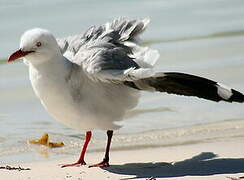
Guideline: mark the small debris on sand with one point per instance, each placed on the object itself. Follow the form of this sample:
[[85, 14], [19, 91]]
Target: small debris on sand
[[14, 168]]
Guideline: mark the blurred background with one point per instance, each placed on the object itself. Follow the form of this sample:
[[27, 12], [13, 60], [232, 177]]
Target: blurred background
[[201, 37]]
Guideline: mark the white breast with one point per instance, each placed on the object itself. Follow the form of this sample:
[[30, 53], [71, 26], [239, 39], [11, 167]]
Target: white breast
[[54, 96], [97, 106]]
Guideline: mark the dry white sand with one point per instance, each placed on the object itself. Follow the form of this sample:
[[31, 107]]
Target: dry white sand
[[210, 160]]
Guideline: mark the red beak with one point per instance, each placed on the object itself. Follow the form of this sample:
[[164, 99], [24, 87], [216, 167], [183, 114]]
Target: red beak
[[18, 54]]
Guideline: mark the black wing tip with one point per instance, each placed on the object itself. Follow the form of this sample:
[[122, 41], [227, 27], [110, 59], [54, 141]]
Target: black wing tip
[[236, 96]]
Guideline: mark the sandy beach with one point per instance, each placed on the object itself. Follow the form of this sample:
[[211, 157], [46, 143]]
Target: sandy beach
[[165, 137], [221, 160]]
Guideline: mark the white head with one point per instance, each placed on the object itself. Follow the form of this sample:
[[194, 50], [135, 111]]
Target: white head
[[37, 46]]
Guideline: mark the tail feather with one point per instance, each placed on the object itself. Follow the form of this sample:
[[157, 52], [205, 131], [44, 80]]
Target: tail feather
[[190, 85]]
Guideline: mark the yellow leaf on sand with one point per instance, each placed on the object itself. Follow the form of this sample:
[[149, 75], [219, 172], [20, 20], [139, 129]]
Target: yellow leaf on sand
[[53, 145], [44, 140]]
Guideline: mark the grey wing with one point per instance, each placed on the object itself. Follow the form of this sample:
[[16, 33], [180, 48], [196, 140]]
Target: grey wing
[[104, 52], [109, 53]]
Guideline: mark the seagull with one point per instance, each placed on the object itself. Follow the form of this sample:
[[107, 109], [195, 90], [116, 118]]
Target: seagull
[[91, 80]]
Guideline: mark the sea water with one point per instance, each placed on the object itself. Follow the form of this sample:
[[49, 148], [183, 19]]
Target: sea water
[[201, 37]]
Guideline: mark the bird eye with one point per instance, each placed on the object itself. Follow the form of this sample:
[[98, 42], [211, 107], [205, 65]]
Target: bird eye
[[38, 44]]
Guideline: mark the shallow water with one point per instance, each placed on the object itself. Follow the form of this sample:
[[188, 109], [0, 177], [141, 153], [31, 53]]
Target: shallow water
[[201, 37]]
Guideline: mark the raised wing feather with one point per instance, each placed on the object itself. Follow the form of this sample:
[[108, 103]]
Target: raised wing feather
[[104, 54]]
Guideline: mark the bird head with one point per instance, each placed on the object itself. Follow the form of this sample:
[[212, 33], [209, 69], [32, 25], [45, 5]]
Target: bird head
[[36, 46]]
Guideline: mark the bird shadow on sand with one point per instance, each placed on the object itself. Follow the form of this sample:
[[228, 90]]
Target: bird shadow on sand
[[203, 164]]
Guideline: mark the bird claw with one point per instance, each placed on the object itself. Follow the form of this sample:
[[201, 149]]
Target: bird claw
[[77, 164], [102, 164]]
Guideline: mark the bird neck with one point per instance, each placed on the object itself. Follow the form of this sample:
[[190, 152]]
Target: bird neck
[[56, 66]]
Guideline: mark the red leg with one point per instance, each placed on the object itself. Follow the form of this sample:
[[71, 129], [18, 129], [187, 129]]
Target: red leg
[[105, 162], [82, 154]]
